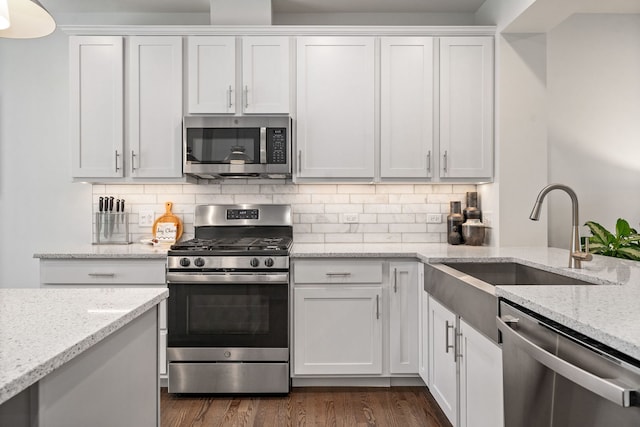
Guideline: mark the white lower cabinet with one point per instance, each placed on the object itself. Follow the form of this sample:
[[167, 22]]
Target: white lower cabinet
[[338, 330], [465, 370], [111, 273], [355, 318]]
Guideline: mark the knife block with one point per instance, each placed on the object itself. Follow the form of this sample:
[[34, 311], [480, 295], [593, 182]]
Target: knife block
[[111, 228]]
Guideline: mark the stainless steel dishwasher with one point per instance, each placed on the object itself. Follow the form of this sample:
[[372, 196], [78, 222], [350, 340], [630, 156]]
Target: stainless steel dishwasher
[[555, 377]]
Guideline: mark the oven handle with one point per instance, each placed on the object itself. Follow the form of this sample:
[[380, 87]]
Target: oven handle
[[197, 277], [618, 394]]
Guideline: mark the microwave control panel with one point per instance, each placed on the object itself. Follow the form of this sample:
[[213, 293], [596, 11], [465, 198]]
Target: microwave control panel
[[277, 145]]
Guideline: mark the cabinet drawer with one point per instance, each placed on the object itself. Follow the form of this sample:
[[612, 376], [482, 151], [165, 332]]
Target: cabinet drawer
[[337, 272], [99, 271]]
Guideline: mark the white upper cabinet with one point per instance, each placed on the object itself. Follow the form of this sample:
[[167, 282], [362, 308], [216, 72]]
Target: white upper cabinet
[[466, 107], [406, 107], [219, 83], [211, 74], [155, 107], [96, 81], [265, 74], [335, 107]]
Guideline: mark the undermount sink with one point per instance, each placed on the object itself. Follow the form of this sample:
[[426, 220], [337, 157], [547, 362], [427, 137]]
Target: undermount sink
[[468, 288], [511, 273]]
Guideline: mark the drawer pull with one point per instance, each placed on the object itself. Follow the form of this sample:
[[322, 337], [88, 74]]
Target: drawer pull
[[339, 274], [102, 274]]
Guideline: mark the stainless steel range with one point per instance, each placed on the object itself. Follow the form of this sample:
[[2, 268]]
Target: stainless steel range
[[228, 309]]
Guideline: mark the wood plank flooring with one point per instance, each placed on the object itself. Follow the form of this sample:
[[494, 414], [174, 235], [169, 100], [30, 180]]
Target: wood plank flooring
[[307, 406]]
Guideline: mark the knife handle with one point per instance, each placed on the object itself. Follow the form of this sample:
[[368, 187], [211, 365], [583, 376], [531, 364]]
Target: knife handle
[[111, 204], [100, 204]]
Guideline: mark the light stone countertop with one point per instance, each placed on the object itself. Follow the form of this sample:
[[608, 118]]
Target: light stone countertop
[[608, 312], [41, 329], [133, 251]]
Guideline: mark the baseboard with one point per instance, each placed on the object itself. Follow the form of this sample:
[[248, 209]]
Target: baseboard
[[357, 382]]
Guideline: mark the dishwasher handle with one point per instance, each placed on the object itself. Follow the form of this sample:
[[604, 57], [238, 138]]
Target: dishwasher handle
[[619, 394]]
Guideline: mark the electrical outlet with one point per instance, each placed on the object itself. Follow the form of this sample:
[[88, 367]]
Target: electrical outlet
[[145, 218], [434, 218], [350, 218]]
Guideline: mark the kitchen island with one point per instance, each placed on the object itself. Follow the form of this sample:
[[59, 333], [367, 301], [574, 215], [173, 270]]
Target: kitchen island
[[77, 357]]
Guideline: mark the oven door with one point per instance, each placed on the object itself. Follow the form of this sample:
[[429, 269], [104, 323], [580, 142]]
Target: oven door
[[243, 316]]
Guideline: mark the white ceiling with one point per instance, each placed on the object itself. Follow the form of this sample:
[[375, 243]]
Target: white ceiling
[[278, 6]]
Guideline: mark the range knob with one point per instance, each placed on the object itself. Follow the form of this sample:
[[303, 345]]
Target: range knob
[[185, 262], [254, 262], [268, 262], [199, 262]]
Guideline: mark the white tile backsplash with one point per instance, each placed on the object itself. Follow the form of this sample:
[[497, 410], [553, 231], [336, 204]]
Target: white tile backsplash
[[387, 213]]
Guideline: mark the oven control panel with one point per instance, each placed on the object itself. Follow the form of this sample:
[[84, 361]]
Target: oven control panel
[[243, 213], [227, 263]]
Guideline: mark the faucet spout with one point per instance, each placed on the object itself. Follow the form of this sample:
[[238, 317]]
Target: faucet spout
[[575, 255]]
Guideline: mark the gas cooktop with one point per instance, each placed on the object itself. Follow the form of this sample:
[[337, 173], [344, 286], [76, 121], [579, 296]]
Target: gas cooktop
[[242, 245]]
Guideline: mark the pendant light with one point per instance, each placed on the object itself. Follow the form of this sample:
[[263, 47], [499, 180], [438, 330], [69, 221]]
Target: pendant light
[[24, 19]]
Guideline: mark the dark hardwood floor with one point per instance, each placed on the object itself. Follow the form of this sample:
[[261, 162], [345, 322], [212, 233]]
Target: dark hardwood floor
[[307, 406]]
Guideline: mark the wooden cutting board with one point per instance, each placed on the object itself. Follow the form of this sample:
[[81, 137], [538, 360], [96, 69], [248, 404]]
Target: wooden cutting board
[[168, 227]]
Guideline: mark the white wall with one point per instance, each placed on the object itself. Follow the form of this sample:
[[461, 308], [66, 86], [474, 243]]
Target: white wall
[[594, 120], [38, 203]]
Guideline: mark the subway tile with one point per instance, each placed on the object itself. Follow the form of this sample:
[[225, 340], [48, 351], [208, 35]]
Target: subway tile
[[301, 228], [330, 228], [418, 208], [368, 218], [437, 228], [394, 188], [308, 238], [202, 189], [369, 198], [319, 218], [423, 188], [420, 237], [396, 218], [382, 238], [356, 188], [464, 188], [240, 189], [317, 188], [383, 208], [330, 198], [220, 199], [291, 199], [343, 237], [407, 198], [372, 228], [266, 199], [408, 228], [308, 208], [443, 188], [163, 188], [344, 208], [278, 189]]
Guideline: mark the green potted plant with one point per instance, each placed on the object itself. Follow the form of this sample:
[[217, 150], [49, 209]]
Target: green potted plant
[[625, 243]]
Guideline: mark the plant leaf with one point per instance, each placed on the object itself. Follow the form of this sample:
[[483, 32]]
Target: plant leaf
[[600, 234], [623, 228], [598, 248], [631, 252]]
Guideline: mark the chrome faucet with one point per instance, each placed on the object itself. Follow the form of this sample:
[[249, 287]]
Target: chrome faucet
[[575, 254]]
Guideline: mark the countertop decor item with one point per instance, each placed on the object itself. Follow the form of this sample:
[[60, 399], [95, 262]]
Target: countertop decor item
[[168, 227], [471, 211], [624, 244], [473, 232], [454, 223]]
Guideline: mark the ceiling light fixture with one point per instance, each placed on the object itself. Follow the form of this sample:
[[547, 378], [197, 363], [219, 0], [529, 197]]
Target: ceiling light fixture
[[4, 15], [25, 19]]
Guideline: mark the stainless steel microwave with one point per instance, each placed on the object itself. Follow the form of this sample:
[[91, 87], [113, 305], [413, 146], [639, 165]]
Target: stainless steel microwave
[[237, 146]]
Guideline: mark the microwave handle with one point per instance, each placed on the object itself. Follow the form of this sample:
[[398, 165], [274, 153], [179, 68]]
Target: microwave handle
[[263, 145]]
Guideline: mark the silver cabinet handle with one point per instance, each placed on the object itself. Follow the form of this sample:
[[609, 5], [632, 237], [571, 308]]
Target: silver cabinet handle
[[446, 336], [346, 274], [133, 156], [429, 162], [457, 345], [616, 393], [117, 156], [377, 306], [395, 280], [299, 161], [246, 96], [229, 92], [444, 167], [101, 274]]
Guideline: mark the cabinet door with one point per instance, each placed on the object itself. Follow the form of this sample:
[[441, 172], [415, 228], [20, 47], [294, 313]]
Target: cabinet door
[[265, 74], [335, 103], [211, 74], [403, 322], [96, 106], [423, 350], [466, 107], [337, 330], [481, 399], [406, 107], [155, 107], [442, 359]]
